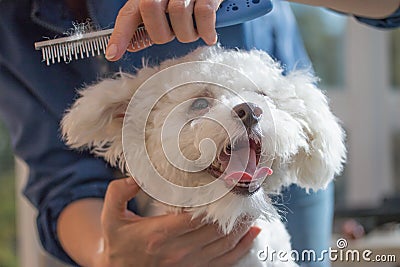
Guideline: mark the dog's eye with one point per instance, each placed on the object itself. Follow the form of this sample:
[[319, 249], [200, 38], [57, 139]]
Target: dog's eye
[[200, 103]]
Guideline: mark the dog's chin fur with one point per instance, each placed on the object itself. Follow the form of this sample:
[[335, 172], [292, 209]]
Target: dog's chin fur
[[232, 209], [252, 207], [307, 148]]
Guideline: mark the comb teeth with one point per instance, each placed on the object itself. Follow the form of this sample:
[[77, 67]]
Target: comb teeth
[[86, 45], [74, 47], [140, 40]]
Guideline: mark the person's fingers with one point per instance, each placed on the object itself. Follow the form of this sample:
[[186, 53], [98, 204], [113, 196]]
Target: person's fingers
[[119, 192], [181, 17], [223, 245], [126, 24], [241, 249], [205, 15], [174, 225], [165, 230], [199, 238], [155, 20]]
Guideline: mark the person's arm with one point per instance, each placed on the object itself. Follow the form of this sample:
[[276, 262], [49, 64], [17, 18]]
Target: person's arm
[[363, 8], [106, 234]]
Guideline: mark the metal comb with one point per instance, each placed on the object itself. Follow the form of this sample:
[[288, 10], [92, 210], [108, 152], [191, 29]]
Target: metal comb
[[86, 45]]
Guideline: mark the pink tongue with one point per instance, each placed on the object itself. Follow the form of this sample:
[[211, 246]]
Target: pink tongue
[[243, 166]]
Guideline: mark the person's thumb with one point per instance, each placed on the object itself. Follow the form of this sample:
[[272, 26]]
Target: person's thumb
[[125, 26], [119, 192]]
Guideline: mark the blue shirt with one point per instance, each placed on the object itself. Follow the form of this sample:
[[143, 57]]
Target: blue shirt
[[33, 96]]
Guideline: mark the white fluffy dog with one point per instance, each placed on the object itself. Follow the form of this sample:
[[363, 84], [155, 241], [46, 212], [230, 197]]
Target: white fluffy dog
[[284, 121]]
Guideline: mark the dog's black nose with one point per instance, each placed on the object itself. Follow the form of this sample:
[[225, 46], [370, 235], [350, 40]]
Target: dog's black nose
[[249, 113]]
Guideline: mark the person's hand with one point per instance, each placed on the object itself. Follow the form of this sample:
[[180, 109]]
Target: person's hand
[[169, 240], [152, 13]]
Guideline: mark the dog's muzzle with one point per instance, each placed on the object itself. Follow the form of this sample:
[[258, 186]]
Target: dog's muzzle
[[237, 163]]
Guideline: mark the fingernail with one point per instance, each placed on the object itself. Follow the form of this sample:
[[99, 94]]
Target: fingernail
[[216, 38], [255, 231], [111, 51]]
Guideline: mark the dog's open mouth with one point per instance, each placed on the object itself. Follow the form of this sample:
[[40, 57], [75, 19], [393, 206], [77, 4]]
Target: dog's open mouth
[[237, 166]]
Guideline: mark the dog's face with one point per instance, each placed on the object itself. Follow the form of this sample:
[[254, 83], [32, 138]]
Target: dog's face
[[263, 122], [238, 128]]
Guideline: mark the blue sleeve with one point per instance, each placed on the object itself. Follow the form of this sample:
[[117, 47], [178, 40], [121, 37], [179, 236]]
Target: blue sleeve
[[392, 21], [276, 33], [33, 98], [57, 175]]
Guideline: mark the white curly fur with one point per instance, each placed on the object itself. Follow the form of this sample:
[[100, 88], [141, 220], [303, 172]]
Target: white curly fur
[[309, 141]]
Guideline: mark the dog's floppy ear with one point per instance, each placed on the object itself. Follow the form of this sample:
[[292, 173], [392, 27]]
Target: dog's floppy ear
[[95, 120], [316, 164]]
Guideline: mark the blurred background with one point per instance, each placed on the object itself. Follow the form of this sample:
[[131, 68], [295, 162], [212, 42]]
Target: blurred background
[[359, 69], [7, 202]]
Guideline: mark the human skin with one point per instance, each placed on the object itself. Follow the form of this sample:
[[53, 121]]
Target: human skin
[[181, 12], [152, 14], [109, 235]]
